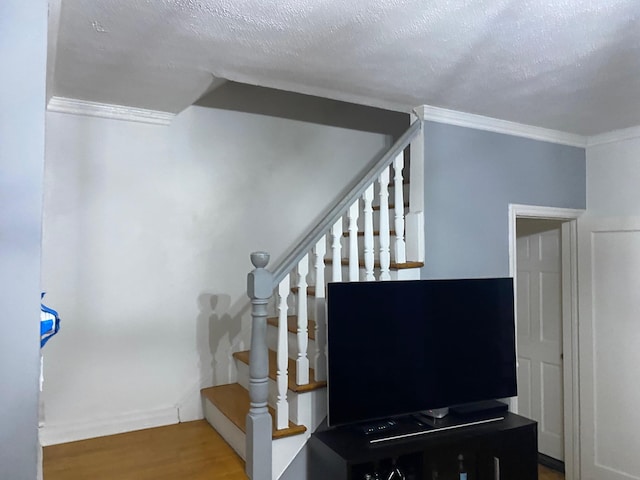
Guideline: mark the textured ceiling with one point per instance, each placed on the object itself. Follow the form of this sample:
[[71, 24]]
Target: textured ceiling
[[569, 65]]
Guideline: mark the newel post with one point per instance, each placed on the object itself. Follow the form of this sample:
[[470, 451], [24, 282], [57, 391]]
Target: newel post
[[259, 289]]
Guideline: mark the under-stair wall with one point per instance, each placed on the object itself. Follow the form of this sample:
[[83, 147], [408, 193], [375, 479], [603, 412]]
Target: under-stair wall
[[142, 226]]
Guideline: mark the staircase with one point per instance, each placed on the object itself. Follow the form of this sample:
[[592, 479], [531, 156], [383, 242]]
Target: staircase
[[280, 397]]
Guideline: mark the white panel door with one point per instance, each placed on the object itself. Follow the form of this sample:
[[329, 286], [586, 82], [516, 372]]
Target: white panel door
[[609, 329], [540, 363]]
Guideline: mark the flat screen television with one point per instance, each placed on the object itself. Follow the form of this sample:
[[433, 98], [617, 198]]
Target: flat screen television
[[401, 347]]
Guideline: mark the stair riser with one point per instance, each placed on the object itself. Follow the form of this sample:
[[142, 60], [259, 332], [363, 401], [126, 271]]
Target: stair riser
[[376, 247], [391, 186], [232, 434], [284, 449], [402, 274], [300, 412], [272, 342], [406, 192], [311, 306], [308, 408], [311, 310], [293, 300], [376, 221]]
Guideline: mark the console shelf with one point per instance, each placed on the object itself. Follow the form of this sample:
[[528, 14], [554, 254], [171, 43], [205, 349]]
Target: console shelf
[[493, 447]]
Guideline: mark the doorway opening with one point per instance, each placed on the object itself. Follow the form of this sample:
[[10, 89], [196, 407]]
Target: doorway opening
[[543, 263]]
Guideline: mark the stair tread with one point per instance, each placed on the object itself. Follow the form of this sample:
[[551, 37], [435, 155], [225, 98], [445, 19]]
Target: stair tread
[[233, 401], [291, 369], [392, 266], [292, 322]]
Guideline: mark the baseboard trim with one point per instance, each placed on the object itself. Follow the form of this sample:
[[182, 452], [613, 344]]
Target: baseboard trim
[[71, 432]]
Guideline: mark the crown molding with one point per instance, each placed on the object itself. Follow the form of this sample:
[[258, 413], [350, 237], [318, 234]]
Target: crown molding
[[479, 122], [105, 110], [614, 136]]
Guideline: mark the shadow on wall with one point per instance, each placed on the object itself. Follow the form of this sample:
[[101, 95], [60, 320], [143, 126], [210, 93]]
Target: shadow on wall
[[220, 325], [305, 108]]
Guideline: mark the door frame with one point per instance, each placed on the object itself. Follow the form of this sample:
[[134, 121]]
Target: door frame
[[569, 249]]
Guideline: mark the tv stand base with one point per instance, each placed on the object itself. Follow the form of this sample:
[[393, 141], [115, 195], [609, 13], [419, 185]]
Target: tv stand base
[[501, 446]]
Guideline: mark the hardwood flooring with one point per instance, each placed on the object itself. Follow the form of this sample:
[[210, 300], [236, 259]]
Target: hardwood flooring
[[545, 473], [187, 451]]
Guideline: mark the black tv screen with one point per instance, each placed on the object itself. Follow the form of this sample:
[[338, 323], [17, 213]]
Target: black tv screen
[[400, 347]]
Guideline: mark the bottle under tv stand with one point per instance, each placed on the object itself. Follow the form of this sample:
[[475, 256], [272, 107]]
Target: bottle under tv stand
[[493, 447]]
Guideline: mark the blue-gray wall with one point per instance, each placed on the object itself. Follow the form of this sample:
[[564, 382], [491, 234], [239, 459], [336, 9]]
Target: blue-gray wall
[[471, 177], [23, 56]]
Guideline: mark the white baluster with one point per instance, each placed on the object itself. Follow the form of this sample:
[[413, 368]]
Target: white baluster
[[367, 199], [336, 249], [354, 261], [398, 209], [282, 377], [385, 255], [320, 360], [302, 362]]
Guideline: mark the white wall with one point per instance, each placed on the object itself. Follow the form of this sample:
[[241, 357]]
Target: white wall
[[23, 46], [613, 178], [147, 235], [609, 326]]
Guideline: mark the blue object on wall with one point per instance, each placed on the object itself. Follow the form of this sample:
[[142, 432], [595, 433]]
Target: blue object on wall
[[49, 322]]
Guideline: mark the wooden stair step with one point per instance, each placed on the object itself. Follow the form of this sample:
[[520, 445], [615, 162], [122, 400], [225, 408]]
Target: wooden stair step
[[291, 368], [292, 323], [392, 266], [233, 401]]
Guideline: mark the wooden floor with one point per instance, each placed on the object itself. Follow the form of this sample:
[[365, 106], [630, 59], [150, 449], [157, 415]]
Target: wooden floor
[[188, 451], [545, 473]]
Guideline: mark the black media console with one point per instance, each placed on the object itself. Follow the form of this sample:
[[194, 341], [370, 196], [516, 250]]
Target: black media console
[[502, 446]]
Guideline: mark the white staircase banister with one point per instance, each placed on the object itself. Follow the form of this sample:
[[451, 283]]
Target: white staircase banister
[[260, 286], [355, 192]]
